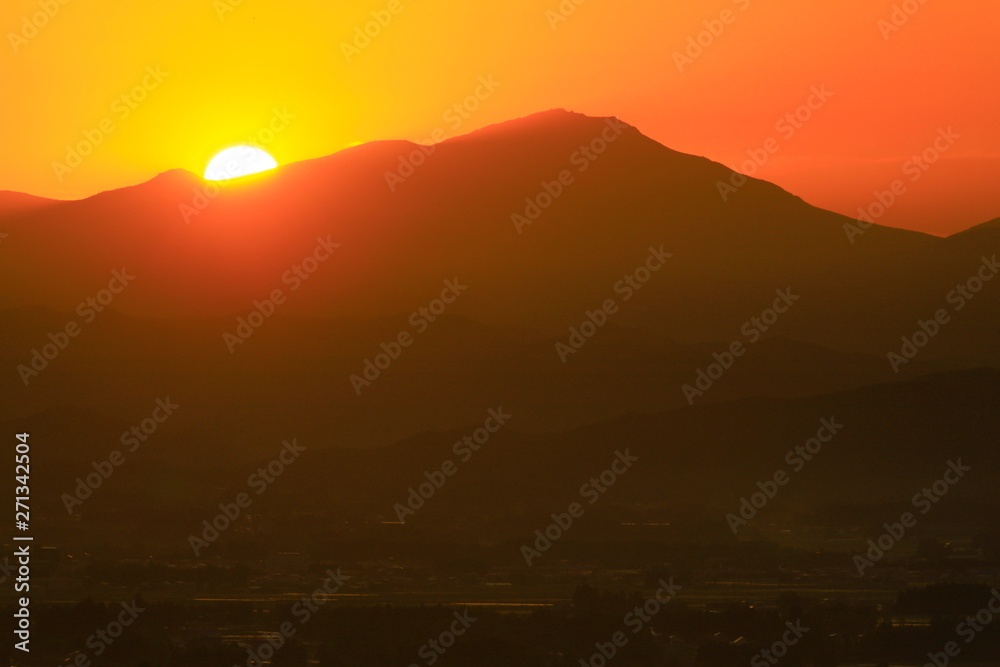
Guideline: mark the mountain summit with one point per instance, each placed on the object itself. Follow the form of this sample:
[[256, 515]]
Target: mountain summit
[[541, 217]]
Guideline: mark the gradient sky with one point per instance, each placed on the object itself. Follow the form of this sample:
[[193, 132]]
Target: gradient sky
[[229, 64]]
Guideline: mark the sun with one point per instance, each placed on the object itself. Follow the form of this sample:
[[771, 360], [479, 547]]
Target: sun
[[238, 161]]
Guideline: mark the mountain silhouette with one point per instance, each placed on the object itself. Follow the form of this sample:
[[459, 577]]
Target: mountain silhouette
[[201, 250], [535, 226]]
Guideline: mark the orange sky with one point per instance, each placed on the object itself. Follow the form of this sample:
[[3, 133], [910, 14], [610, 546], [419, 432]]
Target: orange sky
[[200, 75]]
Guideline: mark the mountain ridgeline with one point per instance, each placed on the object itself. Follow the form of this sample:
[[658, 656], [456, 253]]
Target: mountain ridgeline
[[601, 288]]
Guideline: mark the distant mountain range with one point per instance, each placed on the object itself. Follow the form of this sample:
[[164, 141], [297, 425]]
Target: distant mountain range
[[694, 464], [607, 295]]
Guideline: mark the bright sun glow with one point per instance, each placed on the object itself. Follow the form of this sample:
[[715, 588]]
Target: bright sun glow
[[238, 161]]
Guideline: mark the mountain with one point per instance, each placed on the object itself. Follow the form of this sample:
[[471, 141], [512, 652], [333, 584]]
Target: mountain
[[888, 442], [197, 253], [376, 303], [355, 253], [197, 250], [294, 377]]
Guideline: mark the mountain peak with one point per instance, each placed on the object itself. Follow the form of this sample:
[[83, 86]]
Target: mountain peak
[[558, 121]]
